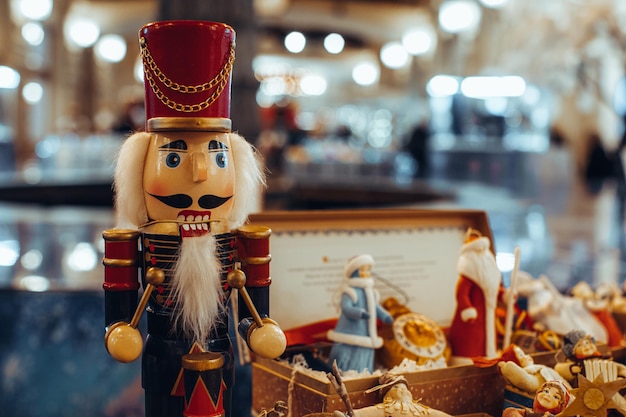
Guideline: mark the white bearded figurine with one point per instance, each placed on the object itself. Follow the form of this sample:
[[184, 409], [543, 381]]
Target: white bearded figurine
[[397, 401], [196, 276], [473, 328], [183, 190]]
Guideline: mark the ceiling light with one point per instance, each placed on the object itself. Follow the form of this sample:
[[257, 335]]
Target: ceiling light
[[270, 7], [442, 86], [138, 70], [82, 257], [334, 43], [494, 4], [264, 100], [9, 78], [295, 42], [393, 55], [496, 105], [484, 87], [81, 32], [32, 259], [313, 85], [32, 9], [456, 16], [418, 41], [532, 95], [33, 33], [274, 86], [365, 73], [9, 252], [32, 92], [35, 283], [111, 48]]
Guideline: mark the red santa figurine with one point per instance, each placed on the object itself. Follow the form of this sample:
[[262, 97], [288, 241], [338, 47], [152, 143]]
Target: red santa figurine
[[473, 329], [184, 189]]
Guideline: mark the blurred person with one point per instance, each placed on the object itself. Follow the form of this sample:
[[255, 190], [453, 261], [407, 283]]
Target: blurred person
[[418, 148], [279, 131], [598, 165], [132, 119]]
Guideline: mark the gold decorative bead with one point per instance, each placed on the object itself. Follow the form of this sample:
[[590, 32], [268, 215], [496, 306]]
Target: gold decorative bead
[[236, 278], [155, 276]]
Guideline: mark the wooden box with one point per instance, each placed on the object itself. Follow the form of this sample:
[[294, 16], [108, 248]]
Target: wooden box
[[414, 250], [455, 390]]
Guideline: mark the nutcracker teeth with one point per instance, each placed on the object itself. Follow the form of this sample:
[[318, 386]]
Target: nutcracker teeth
[[190, 218], [205, 226], [193, 226], [205, 218], [181, 218], [185, 227]]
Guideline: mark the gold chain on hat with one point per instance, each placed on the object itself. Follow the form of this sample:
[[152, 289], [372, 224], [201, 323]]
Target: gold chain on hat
[[218, 82]]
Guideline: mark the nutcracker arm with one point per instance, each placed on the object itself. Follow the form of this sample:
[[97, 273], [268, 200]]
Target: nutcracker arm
[[262, 334], [121, 283], [123, 340]]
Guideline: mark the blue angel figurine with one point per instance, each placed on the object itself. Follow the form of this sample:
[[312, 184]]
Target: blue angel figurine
[[355, 336]]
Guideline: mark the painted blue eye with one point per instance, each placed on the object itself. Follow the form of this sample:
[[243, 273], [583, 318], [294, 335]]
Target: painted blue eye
[[221, 160], [172, 159]]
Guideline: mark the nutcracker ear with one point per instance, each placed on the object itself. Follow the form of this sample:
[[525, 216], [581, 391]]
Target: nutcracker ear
[[249, 180], [128, 181]]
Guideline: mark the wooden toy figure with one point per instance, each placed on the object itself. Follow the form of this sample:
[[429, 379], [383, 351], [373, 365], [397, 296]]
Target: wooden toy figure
[[583, 358], [601, 309], [397, 401], [520, 370], [593, 399], [473, 329], [184, 189], [550, 399], [355, 336]]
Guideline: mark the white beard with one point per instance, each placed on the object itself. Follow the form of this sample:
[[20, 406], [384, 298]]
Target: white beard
[[196, 287]]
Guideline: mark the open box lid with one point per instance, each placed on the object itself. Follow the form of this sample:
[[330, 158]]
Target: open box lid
[[415, 254]]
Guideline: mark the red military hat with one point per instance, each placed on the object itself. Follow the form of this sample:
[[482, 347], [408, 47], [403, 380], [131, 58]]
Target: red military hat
[[187, 74]]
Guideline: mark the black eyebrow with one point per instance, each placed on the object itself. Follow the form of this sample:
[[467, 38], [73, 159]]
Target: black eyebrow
[[215, 145], [177, 144]]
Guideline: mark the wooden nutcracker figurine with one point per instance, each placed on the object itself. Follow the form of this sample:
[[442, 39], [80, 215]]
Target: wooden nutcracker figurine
[[184, 189]]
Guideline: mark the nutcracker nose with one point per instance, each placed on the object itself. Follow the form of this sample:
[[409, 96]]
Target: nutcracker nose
[[198, 161]]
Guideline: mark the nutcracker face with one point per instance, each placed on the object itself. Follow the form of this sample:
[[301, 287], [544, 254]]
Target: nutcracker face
[[550, 397], [585, 347], [189, 176]]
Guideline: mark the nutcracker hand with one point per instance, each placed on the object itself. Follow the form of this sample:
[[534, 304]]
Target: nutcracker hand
[[267, 341], [123, 342]]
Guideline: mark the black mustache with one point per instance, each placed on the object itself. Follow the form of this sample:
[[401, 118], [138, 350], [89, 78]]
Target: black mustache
[[211, 201], [182, 201]]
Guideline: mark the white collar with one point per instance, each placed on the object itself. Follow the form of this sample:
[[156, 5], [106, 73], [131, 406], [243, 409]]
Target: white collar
[[361, 282]]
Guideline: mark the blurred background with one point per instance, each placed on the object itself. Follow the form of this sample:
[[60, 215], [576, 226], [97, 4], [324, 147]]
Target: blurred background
[[513, 107]]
